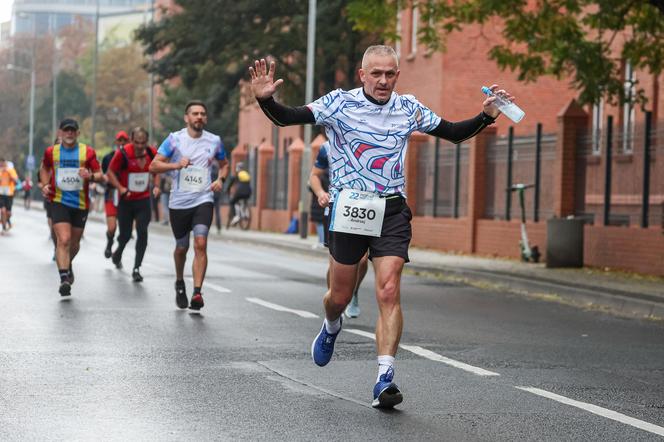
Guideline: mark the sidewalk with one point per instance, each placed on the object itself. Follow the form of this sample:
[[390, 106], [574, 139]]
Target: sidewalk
[[614, 291]]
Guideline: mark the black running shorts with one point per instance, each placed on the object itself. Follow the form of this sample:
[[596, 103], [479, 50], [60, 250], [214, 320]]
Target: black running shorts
[[184, 220], [65, 214], [347, 248], [6, 202], [47, 208]]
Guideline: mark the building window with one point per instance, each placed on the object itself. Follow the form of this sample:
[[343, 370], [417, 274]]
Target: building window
[[414, 21], [598, 119], [628, 110], [397, 45]]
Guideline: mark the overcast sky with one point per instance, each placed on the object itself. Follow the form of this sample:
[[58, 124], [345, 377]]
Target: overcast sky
[[5, 10]]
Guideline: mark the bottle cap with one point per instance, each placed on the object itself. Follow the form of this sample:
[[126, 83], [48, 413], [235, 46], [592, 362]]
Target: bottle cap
[[486, 91]]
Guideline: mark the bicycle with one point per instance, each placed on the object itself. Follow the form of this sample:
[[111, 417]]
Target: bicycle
[[242, 215]]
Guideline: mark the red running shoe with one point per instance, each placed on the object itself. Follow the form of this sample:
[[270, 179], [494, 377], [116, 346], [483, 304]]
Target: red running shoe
[[196, 302]]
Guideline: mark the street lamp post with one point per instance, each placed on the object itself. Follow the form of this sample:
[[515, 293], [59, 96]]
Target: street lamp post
[[309, 97], [31, 137], [95, 60], [30, 163]]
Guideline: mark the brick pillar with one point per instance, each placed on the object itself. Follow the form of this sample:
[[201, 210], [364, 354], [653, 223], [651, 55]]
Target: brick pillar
[[294, 174], [477, 164], [239, 155], [265, 153], [411, 171], [571, 120]]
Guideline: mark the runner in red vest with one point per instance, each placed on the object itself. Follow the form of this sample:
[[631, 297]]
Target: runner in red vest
[[129, 173]]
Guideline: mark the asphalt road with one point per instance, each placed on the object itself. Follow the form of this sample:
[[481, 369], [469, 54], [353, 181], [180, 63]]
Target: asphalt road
[[119, 361]]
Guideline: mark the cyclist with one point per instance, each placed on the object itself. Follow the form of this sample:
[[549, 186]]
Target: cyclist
[[66, 169], [111, 197], [129, 173], [186, 155], [241, 183]]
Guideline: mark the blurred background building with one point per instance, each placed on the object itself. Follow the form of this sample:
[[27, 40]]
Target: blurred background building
[[53, 15]]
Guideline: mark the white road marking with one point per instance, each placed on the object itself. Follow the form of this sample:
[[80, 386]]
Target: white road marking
[[361, 333], [280, 308], [216, 287], [438, 358], [428, 354], [609, 414]]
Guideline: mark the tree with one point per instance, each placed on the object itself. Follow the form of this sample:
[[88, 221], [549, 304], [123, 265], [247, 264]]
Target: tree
[[585, 41], [208, 46]]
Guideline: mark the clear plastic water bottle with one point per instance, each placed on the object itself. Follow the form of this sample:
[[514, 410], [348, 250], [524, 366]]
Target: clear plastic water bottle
[[511, 110]]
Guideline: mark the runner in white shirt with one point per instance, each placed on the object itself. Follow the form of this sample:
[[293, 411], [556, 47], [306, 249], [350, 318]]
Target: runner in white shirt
[[368, 129], [187, 156]]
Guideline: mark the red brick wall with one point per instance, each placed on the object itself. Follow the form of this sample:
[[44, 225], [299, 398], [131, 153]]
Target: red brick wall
[[636, 249], [274, 220], [447, 234]]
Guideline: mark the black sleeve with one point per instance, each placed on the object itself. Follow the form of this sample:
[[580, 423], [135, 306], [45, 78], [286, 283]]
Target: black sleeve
[[283, 115], [462, 130]]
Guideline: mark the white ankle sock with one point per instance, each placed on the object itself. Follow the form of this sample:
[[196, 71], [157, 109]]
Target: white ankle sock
[[334, 326], [385, 362]]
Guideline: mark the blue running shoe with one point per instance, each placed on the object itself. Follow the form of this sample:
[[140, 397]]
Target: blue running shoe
[[323, 346], [386, 393]]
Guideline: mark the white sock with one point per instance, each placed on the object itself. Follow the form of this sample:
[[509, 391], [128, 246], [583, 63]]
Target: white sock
[[334, 326], [385, 362]]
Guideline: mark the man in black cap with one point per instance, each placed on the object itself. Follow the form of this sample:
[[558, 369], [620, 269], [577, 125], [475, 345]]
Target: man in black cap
[[65, 173]]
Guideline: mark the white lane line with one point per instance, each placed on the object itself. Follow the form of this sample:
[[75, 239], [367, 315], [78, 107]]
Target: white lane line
[[216, 287], [428, 354], [609, 414], [280, 308], [361, 333], [438, 358]]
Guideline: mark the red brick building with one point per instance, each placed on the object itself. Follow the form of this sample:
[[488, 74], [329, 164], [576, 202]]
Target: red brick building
[[458, 194]]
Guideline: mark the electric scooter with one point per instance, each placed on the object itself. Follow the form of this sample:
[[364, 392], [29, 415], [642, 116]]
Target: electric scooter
[[527, 253]]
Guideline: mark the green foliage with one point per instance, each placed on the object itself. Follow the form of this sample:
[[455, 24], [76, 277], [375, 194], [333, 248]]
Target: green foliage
[[209, 45], [584, 41]]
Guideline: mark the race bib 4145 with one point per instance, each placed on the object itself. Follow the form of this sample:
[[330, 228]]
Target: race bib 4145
[[193, 179]]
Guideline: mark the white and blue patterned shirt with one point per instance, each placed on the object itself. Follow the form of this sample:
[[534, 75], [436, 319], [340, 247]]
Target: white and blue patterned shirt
[[368, 141], [202, 152]]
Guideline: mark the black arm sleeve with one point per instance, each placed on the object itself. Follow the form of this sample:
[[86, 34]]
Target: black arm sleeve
[[462, 130], [283, 115]]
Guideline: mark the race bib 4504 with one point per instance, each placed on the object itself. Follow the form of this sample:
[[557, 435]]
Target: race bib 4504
[[68, 179], [358, 212]]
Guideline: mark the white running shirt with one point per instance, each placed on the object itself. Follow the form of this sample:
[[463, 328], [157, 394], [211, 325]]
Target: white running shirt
[[368, 141], [202, 152]]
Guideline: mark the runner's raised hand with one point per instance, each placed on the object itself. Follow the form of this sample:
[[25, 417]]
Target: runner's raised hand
[[262, 80]]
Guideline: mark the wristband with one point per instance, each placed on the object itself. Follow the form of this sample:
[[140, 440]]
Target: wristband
[[487, 119]]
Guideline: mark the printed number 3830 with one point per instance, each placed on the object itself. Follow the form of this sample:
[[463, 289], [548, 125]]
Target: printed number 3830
[[359, 212]]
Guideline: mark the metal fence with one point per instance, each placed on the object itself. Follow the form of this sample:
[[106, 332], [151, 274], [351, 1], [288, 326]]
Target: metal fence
[[618, 178], [253, 170], [520, 160], [442, 181], [277, 178]]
